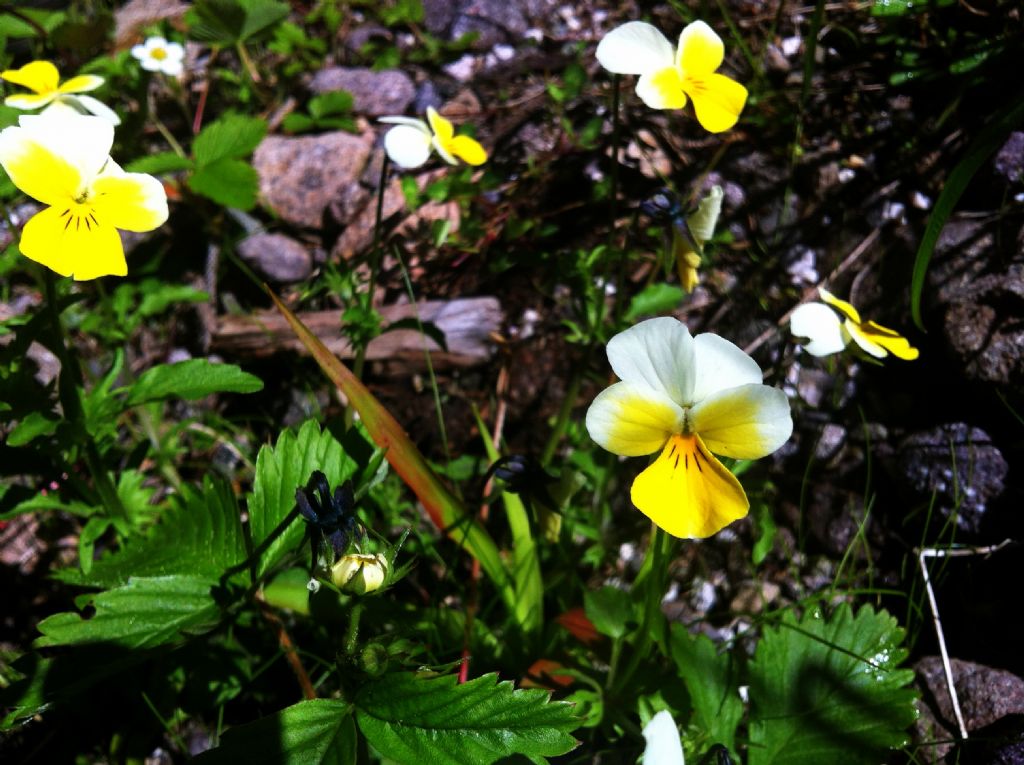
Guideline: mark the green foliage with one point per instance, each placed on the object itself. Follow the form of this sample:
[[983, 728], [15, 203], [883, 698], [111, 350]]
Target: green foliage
[[231, 22], [327, 111], [220, 172], [199, 533], [610, 609], [159, 163], [653, 300], [414, 719], [146, 612], [316, 732], [190, 380], [280, 470], [829, 690], [712, 681]]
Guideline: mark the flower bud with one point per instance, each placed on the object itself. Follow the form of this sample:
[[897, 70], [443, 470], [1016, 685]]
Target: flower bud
[[360, 574]]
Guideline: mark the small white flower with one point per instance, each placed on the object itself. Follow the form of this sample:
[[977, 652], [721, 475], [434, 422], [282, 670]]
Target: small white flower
[[158, 55], [358, 573]]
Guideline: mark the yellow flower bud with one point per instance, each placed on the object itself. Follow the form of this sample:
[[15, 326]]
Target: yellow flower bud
[[360, 574]]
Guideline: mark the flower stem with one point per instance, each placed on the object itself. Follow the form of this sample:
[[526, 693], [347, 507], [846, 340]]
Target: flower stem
[[652, 580], [69, 388]]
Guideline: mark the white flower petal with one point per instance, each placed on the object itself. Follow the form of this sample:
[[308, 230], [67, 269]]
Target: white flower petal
[[658, 353], [635, 48], [399, 120], [663, 744], [721, 365], [407, 145], [96, 107], [821, 325], [746, 422], [632, 420]]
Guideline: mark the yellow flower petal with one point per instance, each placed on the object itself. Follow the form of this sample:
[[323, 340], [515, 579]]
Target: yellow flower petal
[[746, 422], [37, 76], [662, 89], [880, 341], [29, 100], [442, 128], [846, 309], [468, 150], [687, 492], [73, 242], [132, 201], [38, 172], [632, 420], [81, 84], [717, 100], [700, 51]]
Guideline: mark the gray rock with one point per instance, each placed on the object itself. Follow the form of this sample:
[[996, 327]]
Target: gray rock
[[494, 21], [980, 293], [960, 465], [300, 177], [374, 94], [277, 257], [1010, 160], [986, 695]]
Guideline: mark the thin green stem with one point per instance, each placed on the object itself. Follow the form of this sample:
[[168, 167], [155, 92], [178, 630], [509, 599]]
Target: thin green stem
[[430, 364], [352, 631], [564, 414], [652, 580], [375, 259], [69, 387]]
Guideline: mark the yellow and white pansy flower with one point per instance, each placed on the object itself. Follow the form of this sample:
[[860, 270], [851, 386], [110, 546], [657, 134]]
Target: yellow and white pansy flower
[[830, 326], [43, 79], [410, 142], [664, 747], [691, 398], [158, 55], [64, 163], [668, 76]]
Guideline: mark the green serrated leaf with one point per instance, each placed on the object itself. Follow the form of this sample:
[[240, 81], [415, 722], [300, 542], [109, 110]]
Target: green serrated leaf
[[830, 690], [199, 534], [190, 380], [228, 182], [610, 610], [155, 164], [232, 137], [145, 612], [412, 719], [654, 299], [282, 469], [712, 680], [316, 732]]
